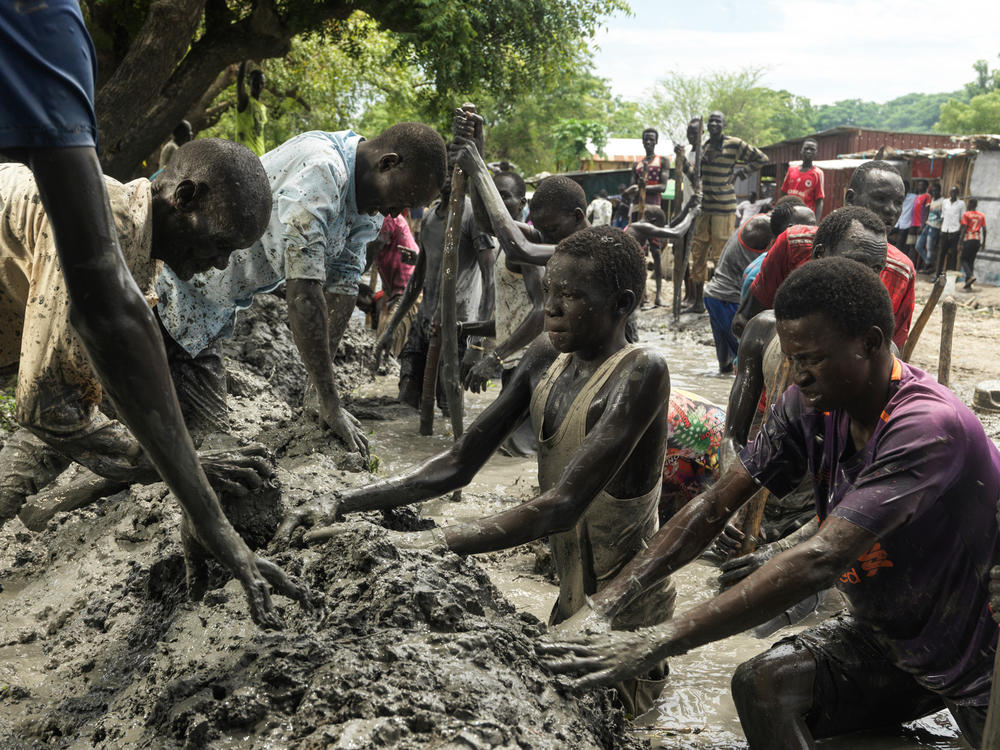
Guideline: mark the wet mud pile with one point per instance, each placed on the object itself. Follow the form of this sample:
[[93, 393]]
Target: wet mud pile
[[100, 646]]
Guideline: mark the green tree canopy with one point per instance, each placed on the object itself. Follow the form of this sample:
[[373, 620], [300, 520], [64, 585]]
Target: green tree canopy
[[159, 57]]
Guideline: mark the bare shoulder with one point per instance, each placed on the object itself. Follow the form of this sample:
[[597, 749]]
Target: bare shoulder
[[643, 370], [758, 333]]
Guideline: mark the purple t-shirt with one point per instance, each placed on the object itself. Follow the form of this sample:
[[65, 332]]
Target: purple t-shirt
[[927, 485]]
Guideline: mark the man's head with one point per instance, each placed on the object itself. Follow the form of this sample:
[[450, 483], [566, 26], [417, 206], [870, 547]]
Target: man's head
[[211, 199], [654, 215], [936, 190], [402, 167], [835, 323], [877, 186], [809, 147], [922, 186], [593, 282], [256, 83], [183, 133], [756, 232], [650, 137], [692, 130], [852, 232], [602, 193], [753, 197], [953, 193], [973, 204], [558, 208], [716, 122], [790, 211], [512, 190]]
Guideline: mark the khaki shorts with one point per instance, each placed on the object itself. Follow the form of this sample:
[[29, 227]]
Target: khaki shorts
[[711, 232]]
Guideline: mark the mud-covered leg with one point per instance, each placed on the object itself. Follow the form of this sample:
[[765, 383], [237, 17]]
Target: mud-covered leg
[[773, 693], [27, 465]]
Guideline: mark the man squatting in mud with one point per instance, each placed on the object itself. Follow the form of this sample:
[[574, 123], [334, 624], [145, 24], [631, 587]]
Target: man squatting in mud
[[47, 73], [598, 406], [327, 190], [905, 481]]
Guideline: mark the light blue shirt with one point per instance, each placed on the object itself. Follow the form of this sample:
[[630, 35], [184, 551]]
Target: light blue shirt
[[315, 232]]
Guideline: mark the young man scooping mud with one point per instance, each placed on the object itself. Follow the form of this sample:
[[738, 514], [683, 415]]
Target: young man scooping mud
[[598, 406], [905, 481]]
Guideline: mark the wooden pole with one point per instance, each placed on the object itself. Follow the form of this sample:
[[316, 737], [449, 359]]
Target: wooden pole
[[447, 306], [925, 315], [679, 246], [428, 395], [947, 331]]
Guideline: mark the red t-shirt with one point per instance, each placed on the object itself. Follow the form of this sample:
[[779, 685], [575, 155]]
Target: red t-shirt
[[393, 270], [973, 221], [793, 247], [920, 205], [806, 185]]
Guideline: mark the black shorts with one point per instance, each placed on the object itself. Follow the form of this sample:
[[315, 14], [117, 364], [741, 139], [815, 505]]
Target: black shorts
[[856, 687]]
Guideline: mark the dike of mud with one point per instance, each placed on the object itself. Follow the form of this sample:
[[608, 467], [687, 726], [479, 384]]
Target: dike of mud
[[100, 647]]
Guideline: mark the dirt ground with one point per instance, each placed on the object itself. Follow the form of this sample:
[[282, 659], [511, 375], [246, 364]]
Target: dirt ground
[[100, 647]]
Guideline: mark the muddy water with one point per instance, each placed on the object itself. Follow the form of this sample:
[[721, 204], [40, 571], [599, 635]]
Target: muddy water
[[696, 710]]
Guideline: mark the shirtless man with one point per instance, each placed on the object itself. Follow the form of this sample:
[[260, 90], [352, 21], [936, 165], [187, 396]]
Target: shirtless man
[[598, 406], [909, 534]]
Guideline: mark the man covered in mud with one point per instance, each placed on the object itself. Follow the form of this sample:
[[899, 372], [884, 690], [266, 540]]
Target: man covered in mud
[[327, 191], [598, 406], [211, 199], [905, 484], [47, 77]]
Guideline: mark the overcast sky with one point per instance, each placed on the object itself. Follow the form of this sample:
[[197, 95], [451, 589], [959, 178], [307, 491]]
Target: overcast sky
[[821, 49]]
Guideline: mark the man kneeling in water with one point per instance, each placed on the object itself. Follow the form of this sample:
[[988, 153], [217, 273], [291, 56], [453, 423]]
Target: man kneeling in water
[[598, 406]]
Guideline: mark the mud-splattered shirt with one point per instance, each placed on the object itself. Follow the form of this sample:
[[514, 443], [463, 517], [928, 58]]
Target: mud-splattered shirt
[[56, 387], [315, 232], [927, 485]]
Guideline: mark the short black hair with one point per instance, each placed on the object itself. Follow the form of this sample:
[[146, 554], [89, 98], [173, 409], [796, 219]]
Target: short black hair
[[972, 204], [619, 262], [654, 131], [559, 193], [860, 175], [781, 214], [182, 132], [519, 187], [229, 170], [849, 294], [603, 193], [420, 148], [654, 215], [810, 140], [833, 228]]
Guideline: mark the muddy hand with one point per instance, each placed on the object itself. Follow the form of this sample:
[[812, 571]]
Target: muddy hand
[[738, 568], [464, 154], [584, 623], [239, 471], [346, 426], [481, 374], [255, 574], [382, 347], [604, 659], [468, 125], [322, 512]]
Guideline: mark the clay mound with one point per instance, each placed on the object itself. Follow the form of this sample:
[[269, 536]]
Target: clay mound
[[99, 647]]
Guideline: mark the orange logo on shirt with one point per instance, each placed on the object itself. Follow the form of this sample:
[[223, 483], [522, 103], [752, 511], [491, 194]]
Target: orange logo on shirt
[[871, 561]]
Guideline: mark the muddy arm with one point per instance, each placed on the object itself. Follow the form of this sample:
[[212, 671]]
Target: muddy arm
[[597, 461], [517, 247], [780, 583], [455, 467], [308, 319], [748, 386], [413, 289]]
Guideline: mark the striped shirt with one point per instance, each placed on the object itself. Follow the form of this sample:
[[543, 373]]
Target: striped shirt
[[717, 165]]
